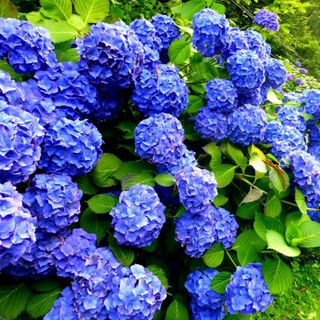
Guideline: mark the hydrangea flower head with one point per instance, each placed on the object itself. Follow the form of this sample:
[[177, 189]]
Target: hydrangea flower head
[[276, 73], [138, 217], [71, 147], [314, 134], [8, 89], [257, 44], [234, 40], [111, 56], [54, 200], [247, 291], [253, 97], [109, 108], [201, 313], [267, 19], [209, 30], [160, 90], [290, 116], [20, 138], [311, 102]]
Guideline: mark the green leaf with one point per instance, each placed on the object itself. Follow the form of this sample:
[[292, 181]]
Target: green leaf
[[262, 224], [273, 207], [277, 275], [247, 210], [253, 195], [190, 8], [143, 177], [257, 163], [224, 174], [177, 310], [165, 180], [131, 167], [218, 7], [13, 299], [247, 254], [235, 154], [214, 151], [94, 223], [102, 203], [272, 97], [249, 236], [220, 282], [300, 201], [58, 9], [40, 304], [214, 256], [159, 315], [107, 165], [92, 11], [84, 183], [60, 31], [292, 232], [220, 200], [77, 22], [279, 180], [310, 231], [277, 242], [8, 9], [4, 65], [195, 103], [179, 51], [160, 273], [45, 285], [123, 254]]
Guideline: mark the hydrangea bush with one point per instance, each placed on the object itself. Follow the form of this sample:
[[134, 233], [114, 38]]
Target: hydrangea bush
[[160, 170]]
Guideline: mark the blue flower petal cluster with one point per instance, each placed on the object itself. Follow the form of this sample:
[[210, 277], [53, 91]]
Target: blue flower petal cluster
[[209, 29], [290, 116], [197, 188], [293, 96], [276, 73], [247, 291], [71, 147], [111, 56], [20, 138], [246, 125], [221, 95], [246, 70], [109, 108], [136, 294], [266, 19], [234, 40], [252, 97], [25, 47], [17, 226], [151, 59], [257, 44], [54, 200], [314, 134], [211, 125], [201, 313], [8, 89], [138, 217], [160, 90], [311, 101]]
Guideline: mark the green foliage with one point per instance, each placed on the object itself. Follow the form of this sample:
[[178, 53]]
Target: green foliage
[[177, 310], [214, 256], [220, 282], [102, 203], [8, 9]]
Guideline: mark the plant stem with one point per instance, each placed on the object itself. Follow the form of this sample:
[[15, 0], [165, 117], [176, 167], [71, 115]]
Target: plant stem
[[251, 184], [229, 256]]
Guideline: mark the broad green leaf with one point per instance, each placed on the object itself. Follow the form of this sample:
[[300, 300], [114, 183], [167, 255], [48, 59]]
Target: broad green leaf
[[255, 150], [34, 16], [77, 22], [214, 256], [214, 151], [13, 299], [159, 315], [277, 242], [224, 174], [235, 154], [300, 201], [272, 97], [262, 224], [8, 9], [247, 254], [195, 103], [84, 183], [138, 178], [220, 282], [273, 207], [310, 231], [4, 65], [131, 167], [107, 165], [179, 51], [257, 163], [94, 223], [40, 304], [160, 273], [279, 180], [248, 210], [218, 7], [249, 236], [165, 180], [58, 9], [102, 203], [45, 285], [60, 31], [70, 55], [292, 232], [253, 195], [92, 11], [190, 8], [124, 255], [277, 275], [220, 200], [177, 310]]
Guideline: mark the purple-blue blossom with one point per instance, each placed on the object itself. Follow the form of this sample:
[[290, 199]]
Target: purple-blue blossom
[[290, 116], [276, 73], [267, 19], [234, 40], [257, 44], [311, 103], [201, 313]]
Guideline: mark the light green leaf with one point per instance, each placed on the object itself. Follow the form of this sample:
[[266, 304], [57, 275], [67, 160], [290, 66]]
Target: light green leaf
[[77, 22], [58, 9], [160, 273], [220, 200], [253, 195], [45, 285], [235, 154], [190, 8], [195, 104], [262, 224], [273, 207], [257, 163], [277, 275], [4, 65], [272, 97], [92, 11], [300, 201], [277, 242], [179, 51], [102, 203], [292, 232], [85, 185], [131, 167], [143, 177], [220, 282], [214, 256], [310, 231], [218, 7], [249, 236], [177, 310], [279, 180], [165, 180], [248, 210], [247, 254], [8, 9], [214, 151], [124, 255], [224, 174]]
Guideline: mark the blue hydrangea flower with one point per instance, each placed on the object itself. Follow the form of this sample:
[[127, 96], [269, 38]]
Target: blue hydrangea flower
[[69, 90], [157, 138], [293, 96], [299, 82], [297, 64], [71, 147], [257, 44], [8, 89], [136, 294], [211, 125], [25, 47], [247, 292], [209, 29], [160, 90], [276, 73], [201, 313], [246, 70], [303, 71], [70, 257], [253, 97], [226, 227], [246, 125], [221, 95], [234, 40], [54, 200], [151, 59], [20, 138], [314, 215], [197, 188], [196, 233], [290, 116], [198, 285], [111, 56], [267, 19], [311, 101], [17, 226], [138, 217], [314, 134], [314, 149]]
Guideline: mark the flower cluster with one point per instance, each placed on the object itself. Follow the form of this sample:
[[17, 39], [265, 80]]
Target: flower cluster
[[276, 73], [267, 19], [311, 103]]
